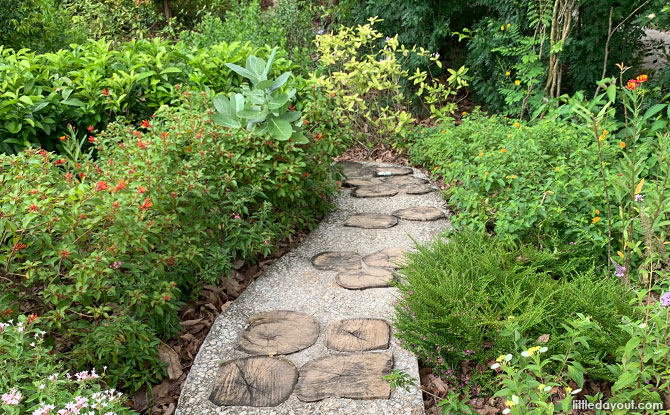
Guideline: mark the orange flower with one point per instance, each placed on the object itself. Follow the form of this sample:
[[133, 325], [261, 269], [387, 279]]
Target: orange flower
[[63, 138], [65, 253], [33, 207], [141, 189], [595, 220], [641, 78], [145, 124], [622, 144], [146, 205], [101, 185], [632, 84], [503, 150], [517, 125]]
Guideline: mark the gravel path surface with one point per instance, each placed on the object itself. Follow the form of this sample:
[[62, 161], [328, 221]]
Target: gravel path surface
[[294, 284]]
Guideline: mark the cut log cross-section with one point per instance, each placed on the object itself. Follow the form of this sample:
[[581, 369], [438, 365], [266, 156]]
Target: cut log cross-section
[[392, 258], [337, 261], [364, 278], [278, 332], [371, 221], [254, 381], [358, 335], [354, 376]]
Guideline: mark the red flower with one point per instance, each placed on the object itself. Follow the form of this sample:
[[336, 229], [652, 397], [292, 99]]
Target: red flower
[[145, 124], [146, 205], [32, 318], [19, 246], [137, 134], [82, 175], [32, 192], [65, 253], [141, 189], [120, 186], [641, 78], [33, 207], [141, 144], [105, 92], [632, 84], [91, 139], [166, 297], [319, 136], [116, 205], [101, 185], [90, 128]]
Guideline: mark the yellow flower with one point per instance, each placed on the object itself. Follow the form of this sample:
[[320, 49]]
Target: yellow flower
[[509, 24], [481, 153], [436, 167], [517, 82], [509, 135], [514, 176], [541, 386], [597, 212], [509, 403], [595, 220], [517, 125], [556, 169], [533, 350], [568, 390], [500, 358], [502, 27], [602, 137], [622, 144], [507, 73], [486, 173], [465, 112]]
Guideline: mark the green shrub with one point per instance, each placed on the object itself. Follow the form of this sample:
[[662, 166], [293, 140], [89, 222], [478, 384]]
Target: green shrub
[[32, 381], [456, 297], [102, 245], [289, 26], [92, 84], [40, 25], [116, 20], [522, 182]]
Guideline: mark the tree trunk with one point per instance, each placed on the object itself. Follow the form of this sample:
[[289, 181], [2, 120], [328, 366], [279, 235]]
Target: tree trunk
[[166, 10]]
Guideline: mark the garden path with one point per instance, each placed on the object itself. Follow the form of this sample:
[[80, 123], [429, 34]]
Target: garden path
[[309, 336]]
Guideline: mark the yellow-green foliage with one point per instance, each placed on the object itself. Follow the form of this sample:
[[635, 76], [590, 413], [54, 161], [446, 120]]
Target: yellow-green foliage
[[365, 76]]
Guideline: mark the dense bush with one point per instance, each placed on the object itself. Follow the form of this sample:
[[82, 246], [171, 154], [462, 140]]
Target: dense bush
[[457, 296], [103, 248], [116, 20], [36, 24], [34, 382], [91, 84], [521, 182], [288, 25]]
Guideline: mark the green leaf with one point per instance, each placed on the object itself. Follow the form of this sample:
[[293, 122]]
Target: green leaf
[[145, 75], [278, 101], [280, 129], [12, 126], [171, 69], [271, 60], [625, 379], [292, 116], [280, 81], [26, 100], [611, 92], [653, 111], [74, 102], [299, 138], [226, 121], [242, 71]]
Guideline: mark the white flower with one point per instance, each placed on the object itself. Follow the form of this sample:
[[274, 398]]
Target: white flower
[[506, 411], [576, 391], [495, 366], [651, 16]]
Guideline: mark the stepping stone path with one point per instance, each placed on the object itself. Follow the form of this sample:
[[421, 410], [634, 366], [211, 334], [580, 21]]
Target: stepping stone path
[[278, 332], [371, 221], [364, 278], [358, 335], [312, 334]]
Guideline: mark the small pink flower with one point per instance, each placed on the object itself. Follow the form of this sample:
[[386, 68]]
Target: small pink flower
[[11, 398]]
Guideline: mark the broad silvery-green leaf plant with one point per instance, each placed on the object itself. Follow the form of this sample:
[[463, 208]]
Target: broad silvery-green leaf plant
[[264, 105]]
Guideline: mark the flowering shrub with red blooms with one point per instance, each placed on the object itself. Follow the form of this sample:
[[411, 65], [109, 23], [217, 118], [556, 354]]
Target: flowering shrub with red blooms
[[106, 250]]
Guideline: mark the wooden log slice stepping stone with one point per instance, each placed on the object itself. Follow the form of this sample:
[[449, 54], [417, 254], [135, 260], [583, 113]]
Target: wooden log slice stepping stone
[[278, 332], [337, 261], [405, 180], [421, 213], [363, 181], [393, 171], [358, 335], [371, 221], [254, 381], [419, 189], [354, 169], [392, 258], [363, 279], [354, 376], [377, 190]]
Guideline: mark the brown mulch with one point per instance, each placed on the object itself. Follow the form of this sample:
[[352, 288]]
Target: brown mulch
[[197, 317]]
